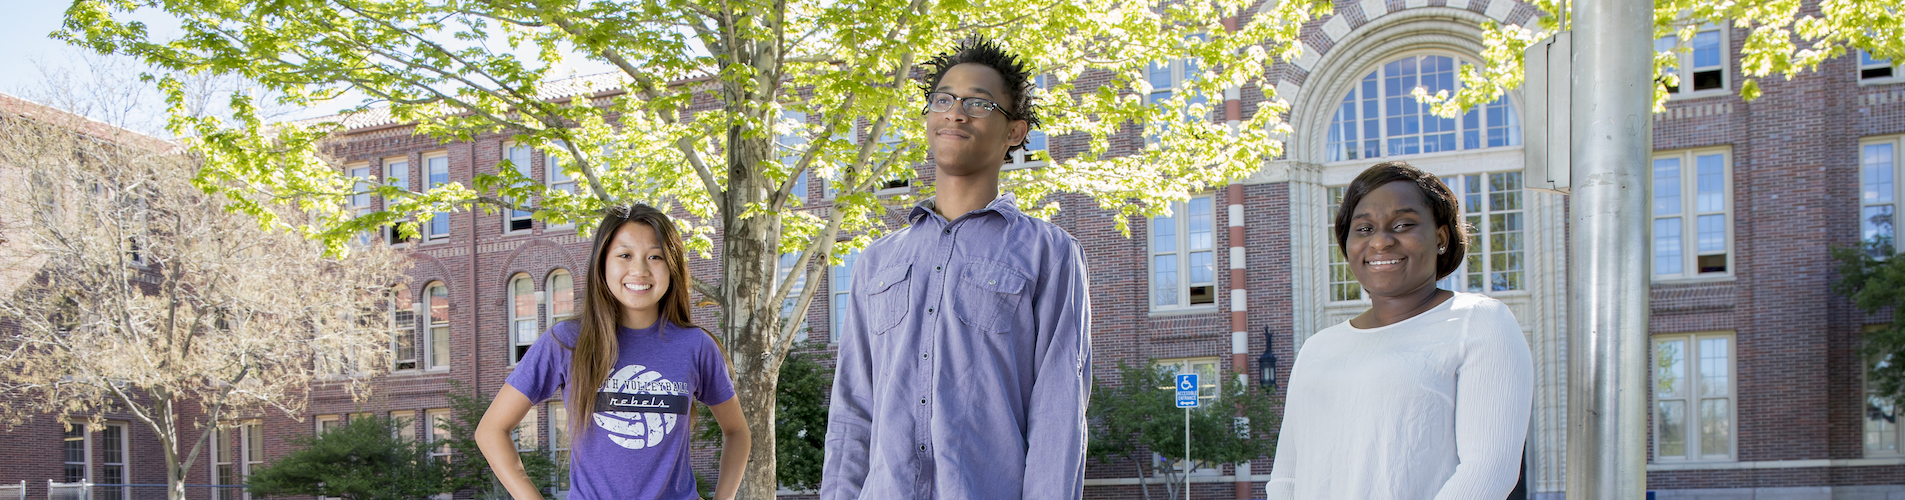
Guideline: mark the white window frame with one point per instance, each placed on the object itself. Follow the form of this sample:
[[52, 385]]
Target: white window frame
[[1180, 218], [1689, 214], [1879, 169], [1027, 156], [784, 267], [321, 421], [1685, 69], [519, 338], [1692, 400], [430, 166], [400, 299], [1351, 114], [435, 423], [247, 454], [559, 443], [841, 300], [1866, 63], [125, 458], [1343, 287], [1210, 371], [251, 450], [1480, 206], [526, 433], [551, 288], [1870, 404], [405, 423], [85, 439], [436, 332], [222, 449], [1179, 71], [397, 170], [523, 159], [557, 179], [360, 200]]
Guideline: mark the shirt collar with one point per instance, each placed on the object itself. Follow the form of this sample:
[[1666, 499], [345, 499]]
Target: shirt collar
[[1006, 204]]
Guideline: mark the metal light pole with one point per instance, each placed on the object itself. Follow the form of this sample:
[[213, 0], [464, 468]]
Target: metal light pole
[[1608, 277]]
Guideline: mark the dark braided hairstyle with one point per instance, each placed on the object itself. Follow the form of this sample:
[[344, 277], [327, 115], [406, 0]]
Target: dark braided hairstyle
[[1017, 74]]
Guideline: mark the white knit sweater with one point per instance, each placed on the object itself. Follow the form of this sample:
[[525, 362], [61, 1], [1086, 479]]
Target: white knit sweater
[[1432, 407]]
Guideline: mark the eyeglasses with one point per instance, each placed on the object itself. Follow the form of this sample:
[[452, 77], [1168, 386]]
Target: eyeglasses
[[976, 107]]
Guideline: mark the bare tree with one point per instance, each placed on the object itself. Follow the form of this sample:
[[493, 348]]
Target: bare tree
[[138, 293]]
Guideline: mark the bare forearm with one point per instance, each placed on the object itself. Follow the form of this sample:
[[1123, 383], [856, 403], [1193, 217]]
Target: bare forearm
[[501, 453], [734, 450]]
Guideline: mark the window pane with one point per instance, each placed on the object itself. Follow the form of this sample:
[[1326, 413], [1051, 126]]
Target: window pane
[[1201, 269], [1712, 236], [1711, 183], [1667, 186], [1716, 427], [1876, 173], [1200, 222], [1164, 231], [1881, 425], [1164, 279], [1667, 256], [525, 297], [1706, 49], [1670, 368], [1876, 226], [1673, 429], [1714, 380], [561, 294], [439, 304], [397, 173]]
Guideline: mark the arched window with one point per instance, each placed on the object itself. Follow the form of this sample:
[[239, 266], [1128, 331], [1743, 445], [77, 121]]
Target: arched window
[[561, 289], [522, 316], [1380, 116], [403, 329], [437, 343]]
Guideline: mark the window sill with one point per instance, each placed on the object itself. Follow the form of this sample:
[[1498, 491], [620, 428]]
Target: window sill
[[1890, 80], [1774, 464], [408, 372], [1700, 94], [1694, 280], [1361, 163], [1184, 311], [434, 241]]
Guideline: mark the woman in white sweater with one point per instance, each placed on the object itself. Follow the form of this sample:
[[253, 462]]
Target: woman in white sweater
[[1424, 396]]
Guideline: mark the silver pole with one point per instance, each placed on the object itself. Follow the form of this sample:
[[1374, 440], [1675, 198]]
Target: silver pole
[[1187, 453], [1608, 280]]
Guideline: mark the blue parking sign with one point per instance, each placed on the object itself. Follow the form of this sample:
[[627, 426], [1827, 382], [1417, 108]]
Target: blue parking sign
[[1187, 390]]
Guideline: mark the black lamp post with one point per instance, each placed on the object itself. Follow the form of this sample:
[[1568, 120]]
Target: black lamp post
[[1267, 363]]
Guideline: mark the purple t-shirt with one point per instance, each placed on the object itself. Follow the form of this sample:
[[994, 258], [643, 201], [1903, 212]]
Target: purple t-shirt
[[636, 446]]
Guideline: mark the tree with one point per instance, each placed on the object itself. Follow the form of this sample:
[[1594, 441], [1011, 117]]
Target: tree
[[1138, 416], [363, 460], [802, 421], [448, 67], [1874, 279], [145, 295], [468, 469]]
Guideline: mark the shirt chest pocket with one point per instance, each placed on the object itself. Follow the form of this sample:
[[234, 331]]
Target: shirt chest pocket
[[987, 297], [887, 297]]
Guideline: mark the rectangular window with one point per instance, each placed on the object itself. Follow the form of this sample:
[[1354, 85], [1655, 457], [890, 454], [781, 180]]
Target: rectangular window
[[224, 468], [1881, 413], [1692, 193], [396, 173], [1701, 63], [437, 354], [1492, 207], [403, 329], [787, 263], [253, 449], [898, 182], [1208, 389], [522, 316], [1878, 192], [1872, 69], [328, 423], [1343, 284], [438, 433], [1693, 397], [519, 158], [559, 179], [1183, 269], [438, 168], [1033, 153], [112, 462], [561, 291], [525, 432], [559, 441], [75, 450], [841, 299], [1168, 78], [405, 422]]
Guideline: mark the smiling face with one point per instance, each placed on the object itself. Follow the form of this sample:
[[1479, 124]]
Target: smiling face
[[963, 145], [1393, 241], [636, 271]]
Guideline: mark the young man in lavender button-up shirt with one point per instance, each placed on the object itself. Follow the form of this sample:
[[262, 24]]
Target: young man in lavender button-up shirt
[[965, 355]]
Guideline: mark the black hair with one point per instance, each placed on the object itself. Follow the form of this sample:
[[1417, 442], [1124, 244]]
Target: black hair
[[1016, 73], [1443, 208]]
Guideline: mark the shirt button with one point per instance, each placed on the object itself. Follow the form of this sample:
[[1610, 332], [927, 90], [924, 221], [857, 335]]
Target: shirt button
[[929, 310], [949, 230], [922, 400], [922, 447], [936, 268], [923, 355]]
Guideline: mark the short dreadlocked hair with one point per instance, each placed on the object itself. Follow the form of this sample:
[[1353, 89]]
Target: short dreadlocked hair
[[985, 52]]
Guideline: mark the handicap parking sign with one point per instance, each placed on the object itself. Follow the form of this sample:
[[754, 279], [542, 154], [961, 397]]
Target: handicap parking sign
[[1187, 390]]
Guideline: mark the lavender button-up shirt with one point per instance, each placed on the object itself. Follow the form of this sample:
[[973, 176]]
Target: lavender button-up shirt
[[965, 363]]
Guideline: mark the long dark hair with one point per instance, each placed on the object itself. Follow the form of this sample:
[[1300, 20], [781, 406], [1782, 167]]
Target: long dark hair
[[593, 357]]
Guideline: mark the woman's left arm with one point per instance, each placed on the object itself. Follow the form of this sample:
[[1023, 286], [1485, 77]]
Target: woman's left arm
[[734, 447], [1493, 397]]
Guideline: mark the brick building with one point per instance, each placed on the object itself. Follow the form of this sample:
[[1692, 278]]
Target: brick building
[[1760, 387]]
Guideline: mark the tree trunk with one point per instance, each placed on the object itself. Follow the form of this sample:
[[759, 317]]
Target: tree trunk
[[750, 318], [1143, 486]]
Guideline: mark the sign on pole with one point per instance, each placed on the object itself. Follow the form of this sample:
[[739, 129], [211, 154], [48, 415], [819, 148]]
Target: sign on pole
[[1187, 390]]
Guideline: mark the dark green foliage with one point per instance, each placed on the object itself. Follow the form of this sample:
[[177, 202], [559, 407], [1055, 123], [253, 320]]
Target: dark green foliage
[[1875, 285], [800, 421], [363, 460], [468, 469], [1139, 416]]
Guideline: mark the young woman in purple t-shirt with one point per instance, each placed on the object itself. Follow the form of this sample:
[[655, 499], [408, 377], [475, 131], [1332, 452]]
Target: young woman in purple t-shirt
[[628, 370]]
